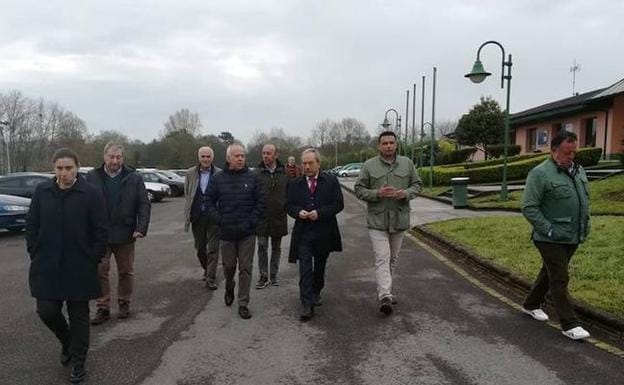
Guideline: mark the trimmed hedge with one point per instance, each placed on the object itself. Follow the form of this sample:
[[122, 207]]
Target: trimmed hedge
[[492, 171], [588, 156], [497, 150]]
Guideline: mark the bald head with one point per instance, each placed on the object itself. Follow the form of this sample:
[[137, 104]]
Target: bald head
[[269, 155], [205, 155]]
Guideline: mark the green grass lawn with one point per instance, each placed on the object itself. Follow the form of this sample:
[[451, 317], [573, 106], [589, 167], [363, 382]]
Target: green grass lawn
[[435, 191], [606, 197], [597, 268]]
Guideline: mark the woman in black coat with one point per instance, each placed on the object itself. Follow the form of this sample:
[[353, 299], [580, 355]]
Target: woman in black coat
[[66, 235]]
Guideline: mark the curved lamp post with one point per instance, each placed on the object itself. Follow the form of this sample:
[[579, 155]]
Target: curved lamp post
[[477, 75], [431, 157], [397, 127]]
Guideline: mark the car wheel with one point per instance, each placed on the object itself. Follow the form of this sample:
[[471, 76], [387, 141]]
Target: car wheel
[[15, 230], [344, 174], [175, 191], [150, 196]]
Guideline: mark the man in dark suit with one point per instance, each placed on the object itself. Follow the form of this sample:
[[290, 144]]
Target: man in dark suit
[[314, 200]]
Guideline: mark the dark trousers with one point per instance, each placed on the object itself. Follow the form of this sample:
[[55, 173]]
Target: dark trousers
[[263, 256], [239, 253], [311, 268], [554, 277], [74, 336], [206, 236]]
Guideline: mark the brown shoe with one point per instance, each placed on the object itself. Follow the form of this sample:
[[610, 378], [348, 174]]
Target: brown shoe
[[124, 310], [101, 315]]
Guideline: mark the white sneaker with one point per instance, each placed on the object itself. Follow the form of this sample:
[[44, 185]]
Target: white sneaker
[[537, 314], [577, 333]]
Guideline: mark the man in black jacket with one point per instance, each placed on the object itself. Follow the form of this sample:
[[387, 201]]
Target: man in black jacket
[[128, 218], [274, 224], [235, 201], [314, 200]]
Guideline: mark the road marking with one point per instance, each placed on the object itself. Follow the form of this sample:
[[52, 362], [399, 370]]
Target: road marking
[[597, 343]]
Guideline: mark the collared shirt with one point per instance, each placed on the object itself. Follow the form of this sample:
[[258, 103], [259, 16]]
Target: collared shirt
[[112, 174], [309, 180], [271, 169], [204, 178]]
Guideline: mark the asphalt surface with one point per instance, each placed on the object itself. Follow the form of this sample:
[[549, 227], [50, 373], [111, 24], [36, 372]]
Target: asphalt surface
[[444, 330]]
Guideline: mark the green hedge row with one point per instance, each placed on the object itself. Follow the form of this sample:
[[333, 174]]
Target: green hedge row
[[490, 171]]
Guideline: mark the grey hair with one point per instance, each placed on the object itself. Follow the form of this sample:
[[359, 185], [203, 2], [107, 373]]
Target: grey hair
[[228, 151], [110, 145], [316, 152], [206, 148]]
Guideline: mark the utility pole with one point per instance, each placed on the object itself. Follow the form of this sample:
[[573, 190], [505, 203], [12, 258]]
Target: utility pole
[[574, 69]]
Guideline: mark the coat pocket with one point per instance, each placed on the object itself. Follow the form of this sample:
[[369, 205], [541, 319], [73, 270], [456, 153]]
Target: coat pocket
[[561, 190], [562, 229]]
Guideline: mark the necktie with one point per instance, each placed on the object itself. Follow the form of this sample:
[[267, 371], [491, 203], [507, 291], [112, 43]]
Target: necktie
[[312, 185]]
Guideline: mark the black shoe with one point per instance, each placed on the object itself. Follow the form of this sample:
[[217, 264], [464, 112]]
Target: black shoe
[[394, 300], [229, 297], [385, 305], [77, 375], [124, 310], [244, 313], [274, 282], [101, 315], [211, 285], [308, 313], [65, 356], [262, 283]]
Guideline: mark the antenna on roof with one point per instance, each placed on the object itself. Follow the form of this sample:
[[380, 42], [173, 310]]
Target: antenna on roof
[[574, 69]]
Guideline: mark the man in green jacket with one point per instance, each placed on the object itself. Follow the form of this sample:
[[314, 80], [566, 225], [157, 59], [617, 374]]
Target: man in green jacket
[[556, 203], [387, 183]]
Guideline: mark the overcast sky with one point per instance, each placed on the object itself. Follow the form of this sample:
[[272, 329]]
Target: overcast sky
[[252, 65]]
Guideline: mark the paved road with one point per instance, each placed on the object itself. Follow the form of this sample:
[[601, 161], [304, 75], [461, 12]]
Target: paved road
[[444, 331]]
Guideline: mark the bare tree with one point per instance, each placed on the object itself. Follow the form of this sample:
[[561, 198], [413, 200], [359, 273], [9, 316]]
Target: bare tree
[[320, 133], [183, 121], [445, 127]]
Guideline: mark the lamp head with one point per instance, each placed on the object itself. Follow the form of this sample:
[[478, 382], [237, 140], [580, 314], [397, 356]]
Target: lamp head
[[385, 123], [478, 73]]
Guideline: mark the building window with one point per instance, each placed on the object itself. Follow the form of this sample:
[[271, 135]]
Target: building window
[[590, 132], [569, 127], [537, 138], [556, 128]]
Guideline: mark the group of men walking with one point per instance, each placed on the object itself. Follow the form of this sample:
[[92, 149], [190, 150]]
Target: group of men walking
[[76, 224]]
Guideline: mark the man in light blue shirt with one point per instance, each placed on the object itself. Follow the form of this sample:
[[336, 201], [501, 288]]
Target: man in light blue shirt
[[205, 232]]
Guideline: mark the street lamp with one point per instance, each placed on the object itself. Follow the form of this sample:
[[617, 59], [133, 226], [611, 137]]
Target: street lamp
[[386, 122], [431, 155], [477, 75], [6, 142]]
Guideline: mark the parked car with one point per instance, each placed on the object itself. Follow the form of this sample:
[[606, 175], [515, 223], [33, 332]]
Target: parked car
[[13, 211], [177, 187], [22, 184], [171, 175], [156, 191], [335, 170], [352, 169], [180, 171]]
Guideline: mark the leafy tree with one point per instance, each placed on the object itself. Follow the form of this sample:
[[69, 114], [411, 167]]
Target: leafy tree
[[482, 126]]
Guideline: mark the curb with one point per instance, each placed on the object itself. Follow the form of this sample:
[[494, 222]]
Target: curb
[[588, 312]]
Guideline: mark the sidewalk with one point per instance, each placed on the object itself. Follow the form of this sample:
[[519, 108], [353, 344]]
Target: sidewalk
[[428, 210]]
